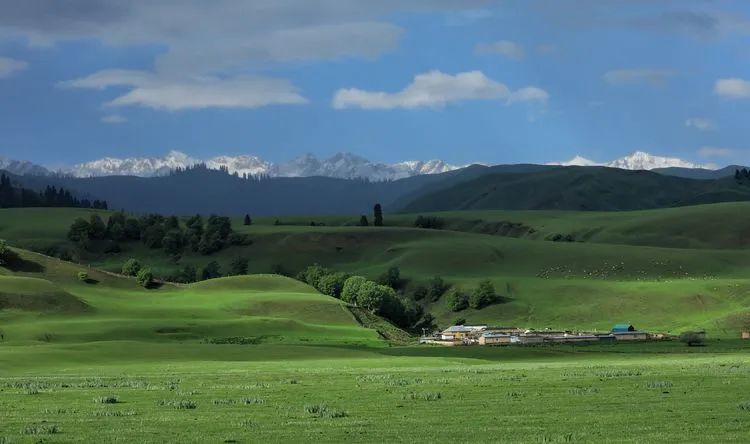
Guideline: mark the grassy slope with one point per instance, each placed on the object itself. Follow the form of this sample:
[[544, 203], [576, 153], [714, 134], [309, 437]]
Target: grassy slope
[[585, 285], [580, 188], [263, 308]]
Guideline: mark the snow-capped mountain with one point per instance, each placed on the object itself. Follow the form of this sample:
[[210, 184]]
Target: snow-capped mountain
[[22, 167], [131, 166], [341, 165], [638, 160]]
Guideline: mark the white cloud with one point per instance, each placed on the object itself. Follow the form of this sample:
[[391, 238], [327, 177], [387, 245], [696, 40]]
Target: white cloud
[[503, 47], [114, 119], [715, 151], [182, 93], [9, 67], [213, 51], [700, 124], [636, 76], [436, 89], [733, 88]]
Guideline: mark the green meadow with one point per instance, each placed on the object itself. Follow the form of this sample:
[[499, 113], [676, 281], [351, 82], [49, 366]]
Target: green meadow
[[267, 358]]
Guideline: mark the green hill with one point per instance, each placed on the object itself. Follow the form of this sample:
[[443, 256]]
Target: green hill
[[611, 274], [54, 306], [579, 188]]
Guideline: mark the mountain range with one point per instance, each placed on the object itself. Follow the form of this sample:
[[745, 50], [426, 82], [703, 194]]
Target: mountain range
[[342, 165], [638, 160]]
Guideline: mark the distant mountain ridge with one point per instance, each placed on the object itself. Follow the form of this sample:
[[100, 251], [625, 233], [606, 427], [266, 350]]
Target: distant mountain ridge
[[638, 160], [341, 165]]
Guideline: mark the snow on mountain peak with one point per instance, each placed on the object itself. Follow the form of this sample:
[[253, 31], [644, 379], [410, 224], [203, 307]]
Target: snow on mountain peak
[[638, 160], [341, 165]]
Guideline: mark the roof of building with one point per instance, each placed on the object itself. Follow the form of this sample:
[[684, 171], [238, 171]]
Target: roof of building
[[495, 335], [457, 329], [623, 328]]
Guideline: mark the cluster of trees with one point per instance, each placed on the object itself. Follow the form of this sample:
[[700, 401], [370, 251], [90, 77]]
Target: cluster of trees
[[157, 231], [428, 222], [143, 276], [6, 254], [17, 197], [483, 295], [377, 217], [376, 297], [742, 174]]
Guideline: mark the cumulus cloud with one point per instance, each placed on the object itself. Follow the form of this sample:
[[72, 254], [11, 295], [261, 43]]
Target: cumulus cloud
[[700, 124], [715, 151], [733, 88], [436, 89], [502, 47], [637, 76], [174, 94], [9, 67], [114, 119], [212, 48]]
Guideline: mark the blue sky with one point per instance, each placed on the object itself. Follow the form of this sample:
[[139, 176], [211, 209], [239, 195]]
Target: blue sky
[[463, 81]]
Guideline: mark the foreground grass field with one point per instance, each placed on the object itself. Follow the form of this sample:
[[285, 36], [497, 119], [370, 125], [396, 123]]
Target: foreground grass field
[[141, 392]]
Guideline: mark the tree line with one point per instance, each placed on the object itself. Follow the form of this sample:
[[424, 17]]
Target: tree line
[[157, 232], [19, 197], [380, 297]]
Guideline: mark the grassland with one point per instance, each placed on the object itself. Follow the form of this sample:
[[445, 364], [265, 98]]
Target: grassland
[[633, 266], [278, 393], [267, 358]]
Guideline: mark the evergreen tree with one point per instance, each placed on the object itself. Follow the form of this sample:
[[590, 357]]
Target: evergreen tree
[[211, 270], [378, 215], [248, 220], [363, 221]]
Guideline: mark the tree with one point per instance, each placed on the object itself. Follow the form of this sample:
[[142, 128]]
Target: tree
[[313, 274], [693, 338], [172, 242], [373, 297], [436, 288], [457, 300], [363, 221], [378, 215], [132, 229], [79, 230], [459, 321], [248, 220], [131, 267], [4, 252], [483, 295], [153, 236], [391, 277], [350, 290], [238, 266], [211, 270], [419, 292], [332, 284], [145, 278]]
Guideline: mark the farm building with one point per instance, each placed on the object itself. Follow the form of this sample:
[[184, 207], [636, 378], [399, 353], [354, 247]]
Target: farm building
[[631, 336], [745, 335], [456, 332], [489, 338], [623, 328]]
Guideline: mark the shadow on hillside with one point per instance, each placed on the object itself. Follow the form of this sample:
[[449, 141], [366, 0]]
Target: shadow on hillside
[[17, 264]]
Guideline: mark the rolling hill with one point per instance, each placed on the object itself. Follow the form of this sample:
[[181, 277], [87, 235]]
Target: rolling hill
[[612, 275], [579, 188], [51, 305]]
